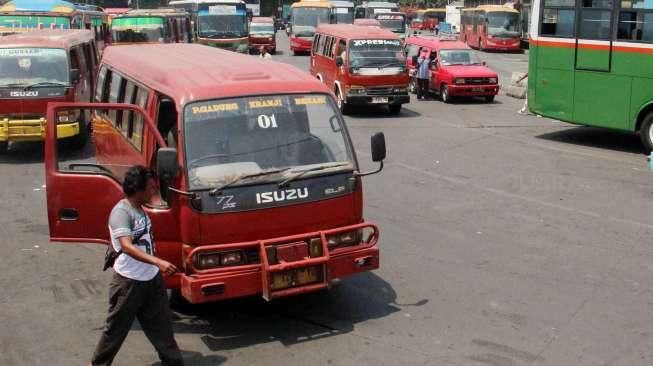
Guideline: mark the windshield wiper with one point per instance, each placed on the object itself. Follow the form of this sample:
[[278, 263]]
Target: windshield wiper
[[301, 173], [44, 83], [216, 190], [193, 163]]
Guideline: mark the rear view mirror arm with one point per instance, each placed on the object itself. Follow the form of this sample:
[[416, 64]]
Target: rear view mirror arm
[[192, 195], [359, 174]]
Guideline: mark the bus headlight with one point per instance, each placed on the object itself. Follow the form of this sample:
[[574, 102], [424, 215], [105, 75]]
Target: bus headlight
[[459, 81]]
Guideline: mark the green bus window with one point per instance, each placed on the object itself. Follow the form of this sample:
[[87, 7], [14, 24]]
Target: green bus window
[[595, 24], [558, 22], [636, 4]]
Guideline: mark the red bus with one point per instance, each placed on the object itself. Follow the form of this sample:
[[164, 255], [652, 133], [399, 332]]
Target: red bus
[[428, 19], [260, 193], [362, 65], [491, 27], [45, 66]]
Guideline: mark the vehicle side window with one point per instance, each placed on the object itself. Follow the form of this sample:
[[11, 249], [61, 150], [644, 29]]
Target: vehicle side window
[[121, 99], [135, 132], [100, 87], [334, 44], [114, 91], [316, 41], [635, 21], [83, 71], [130, 98], [327, 47], [88, 55], [342, 49], [558, 18], [595, 19], [320, 46], [74, 59]]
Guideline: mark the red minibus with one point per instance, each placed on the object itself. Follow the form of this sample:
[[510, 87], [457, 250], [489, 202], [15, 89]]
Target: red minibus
[[491, 27], [40, 67], [262, 34], [362, 65], [261, 191]]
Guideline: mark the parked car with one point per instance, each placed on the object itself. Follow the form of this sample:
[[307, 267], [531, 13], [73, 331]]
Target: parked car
[[456, 70]]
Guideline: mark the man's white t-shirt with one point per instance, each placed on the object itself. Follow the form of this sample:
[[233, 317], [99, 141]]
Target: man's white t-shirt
[[125, 220]]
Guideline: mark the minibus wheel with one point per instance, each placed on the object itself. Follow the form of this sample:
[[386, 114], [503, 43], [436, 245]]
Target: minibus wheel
[[344, 108], [489, 99], [646, 133], [78, 141], [4, 147], [394, 108]]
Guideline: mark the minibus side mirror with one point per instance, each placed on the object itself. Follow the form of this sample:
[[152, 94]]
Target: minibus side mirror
[[378, 152], [339, 61], [74, 75], [166, 163]]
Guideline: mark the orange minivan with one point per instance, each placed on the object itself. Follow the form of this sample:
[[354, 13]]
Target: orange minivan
[[362, 65]]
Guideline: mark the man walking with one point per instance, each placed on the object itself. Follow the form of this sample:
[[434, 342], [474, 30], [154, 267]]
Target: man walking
[[137, 289], [423, 74]]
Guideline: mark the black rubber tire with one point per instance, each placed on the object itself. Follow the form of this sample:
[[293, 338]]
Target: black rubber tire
[[489, 99], [78, 141], [444, 94], [645, 132], [4, 147], [394, 109], [344, 108]]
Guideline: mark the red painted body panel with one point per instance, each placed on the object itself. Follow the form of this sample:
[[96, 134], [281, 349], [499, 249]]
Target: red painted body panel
[[298, 44]]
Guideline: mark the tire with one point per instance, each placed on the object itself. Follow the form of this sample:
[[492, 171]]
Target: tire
[[178, 303], [78, 141], [412, 86], [646, 133], [394, 109], [344, 108], [489, 99], [4, 147], [444, 94]]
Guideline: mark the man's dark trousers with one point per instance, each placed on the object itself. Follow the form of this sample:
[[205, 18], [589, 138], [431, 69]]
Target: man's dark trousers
[[422, 88], [146, 301]]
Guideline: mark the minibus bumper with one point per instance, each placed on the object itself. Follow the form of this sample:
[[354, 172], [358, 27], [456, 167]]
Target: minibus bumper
[[33, 130], [365, 99], [473, 90], [273, 277]]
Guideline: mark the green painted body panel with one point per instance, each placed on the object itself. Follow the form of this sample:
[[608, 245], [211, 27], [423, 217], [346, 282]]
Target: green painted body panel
[[612, 99], [593, 60]]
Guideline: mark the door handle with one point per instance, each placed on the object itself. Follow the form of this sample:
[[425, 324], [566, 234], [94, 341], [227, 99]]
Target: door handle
[[68, 214]]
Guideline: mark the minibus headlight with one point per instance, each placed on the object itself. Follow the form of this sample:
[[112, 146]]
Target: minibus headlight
[[68, 116], [493, 80], [219, 259], [356, 89], [459, 81], [345, 239]]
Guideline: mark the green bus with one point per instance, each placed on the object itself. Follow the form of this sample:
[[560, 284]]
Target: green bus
[[591, 63]]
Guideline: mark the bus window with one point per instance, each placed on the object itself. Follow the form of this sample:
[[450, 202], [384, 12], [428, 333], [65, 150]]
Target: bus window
[[596, 19], [121, 99], [558, 18], [167, 121], [99, 88], [635, 25]]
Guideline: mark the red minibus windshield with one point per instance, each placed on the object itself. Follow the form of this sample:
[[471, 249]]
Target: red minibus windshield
[[230, 138]]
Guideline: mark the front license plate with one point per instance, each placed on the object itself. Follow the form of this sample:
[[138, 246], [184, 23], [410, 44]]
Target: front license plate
[[477, 89], [295, 277], [376, 100]]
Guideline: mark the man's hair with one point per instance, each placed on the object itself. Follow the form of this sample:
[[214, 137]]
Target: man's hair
[[136, 179]]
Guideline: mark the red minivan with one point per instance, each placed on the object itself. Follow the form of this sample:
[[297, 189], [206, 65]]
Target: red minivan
[[40, 67], [261, 191], [362, 65], [456, 71], [261, 34]]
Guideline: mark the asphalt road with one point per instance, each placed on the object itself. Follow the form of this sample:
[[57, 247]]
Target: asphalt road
[[506, 240]]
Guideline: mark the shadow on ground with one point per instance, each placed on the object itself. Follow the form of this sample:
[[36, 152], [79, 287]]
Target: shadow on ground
[[241, 323], [597, 137]]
